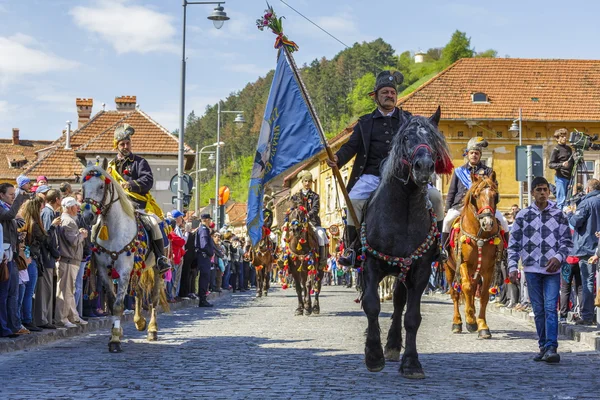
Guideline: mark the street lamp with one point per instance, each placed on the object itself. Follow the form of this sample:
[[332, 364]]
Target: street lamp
[[516, 127], [199, 168], [218, 17], [239, 120]]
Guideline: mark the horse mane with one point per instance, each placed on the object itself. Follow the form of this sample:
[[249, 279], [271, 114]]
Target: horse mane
[[126, 204], [478, 186], [428, 133]]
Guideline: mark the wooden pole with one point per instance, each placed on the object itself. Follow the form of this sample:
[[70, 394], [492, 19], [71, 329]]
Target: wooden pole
[[313, 112]]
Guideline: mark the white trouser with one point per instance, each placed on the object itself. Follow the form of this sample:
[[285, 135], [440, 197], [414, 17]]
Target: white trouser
[[454, 213], [322, 235]]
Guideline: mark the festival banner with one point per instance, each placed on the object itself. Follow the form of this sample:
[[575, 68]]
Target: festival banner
[[288, 136]]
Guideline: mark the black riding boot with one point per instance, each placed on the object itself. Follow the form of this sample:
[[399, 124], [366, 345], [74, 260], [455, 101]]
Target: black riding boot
[[161, 261], [202, 302], [322, 256], [444, 252], [352, 245]]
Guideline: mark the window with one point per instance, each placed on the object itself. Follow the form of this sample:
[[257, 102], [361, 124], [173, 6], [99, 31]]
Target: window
[[330, 195], [585, 172], [479, 97], [499, 134], [460, 133], [538, 135], [480, 133]]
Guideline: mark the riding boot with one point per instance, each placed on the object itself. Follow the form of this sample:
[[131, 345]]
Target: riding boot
[[161, 261], [351, 245], [322, 256], [444, 252]]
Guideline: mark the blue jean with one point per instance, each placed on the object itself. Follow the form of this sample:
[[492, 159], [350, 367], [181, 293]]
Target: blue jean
[[27, 300], [240, 268], [12, 302], [79, 288], [588, 272], [544, 290], [21, 297], [252, 275], [561, 190], [226, 275], [4, 329]]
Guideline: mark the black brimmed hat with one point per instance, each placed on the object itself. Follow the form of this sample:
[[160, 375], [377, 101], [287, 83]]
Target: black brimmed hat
[[387, 79]]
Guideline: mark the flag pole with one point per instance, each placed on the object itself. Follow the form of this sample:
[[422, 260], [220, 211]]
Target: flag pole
[[313, 113]]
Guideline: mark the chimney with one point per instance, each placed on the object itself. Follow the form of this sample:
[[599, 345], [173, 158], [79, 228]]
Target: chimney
[[68, 136], [125, 103], [15, 141], [84, 110]]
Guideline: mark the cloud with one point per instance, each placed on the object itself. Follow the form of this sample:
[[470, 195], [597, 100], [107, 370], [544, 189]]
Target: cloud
[[19, 56], [128, 28], [251, 69]]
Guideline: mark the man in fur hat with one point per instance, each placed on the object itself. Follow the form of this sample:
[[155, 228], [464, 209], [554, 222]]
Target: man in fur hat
[[371, 142], [135, 176], [310, 200], [460, 183]]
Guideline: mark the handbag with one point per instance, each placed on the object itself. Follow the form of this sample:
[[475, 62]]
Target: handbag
[[21, 263], [4, 274]]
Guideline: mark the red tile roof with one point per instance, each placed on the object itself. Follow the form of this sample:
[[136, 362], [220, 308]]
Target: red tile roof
[[237, 213], [546, 90], [96, 136], [18, 157]]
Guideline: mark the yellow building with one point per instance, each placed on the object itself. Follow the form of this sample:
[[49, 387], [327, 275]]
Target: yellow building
[[482, 97]]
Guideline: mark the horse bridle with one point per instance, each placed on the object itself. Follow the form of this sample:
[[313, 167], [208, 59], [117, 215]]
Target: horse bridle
[[102, 207]]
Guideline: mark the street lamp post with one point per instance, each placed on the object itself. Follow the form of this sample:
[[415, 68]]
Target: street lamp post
[[218, 16], [513, 128], [200, 169], [239, 120]]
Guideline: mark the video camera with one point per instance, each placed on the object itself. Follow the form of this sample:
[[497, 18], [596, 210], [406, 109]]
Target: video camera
[[582, 141]]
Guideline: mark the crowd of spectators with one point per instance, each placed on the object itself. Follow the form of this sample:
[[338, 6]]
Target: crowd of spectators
[[47, 282]]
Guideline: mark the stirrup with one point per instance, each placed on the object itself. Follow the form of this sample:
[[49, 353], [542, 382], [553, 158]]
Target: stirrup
[[349, 259], [163, 264]]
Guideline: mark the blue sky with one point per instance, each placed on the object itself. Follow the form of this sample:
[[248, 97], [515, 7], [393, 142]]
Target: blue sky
[[52, 51]]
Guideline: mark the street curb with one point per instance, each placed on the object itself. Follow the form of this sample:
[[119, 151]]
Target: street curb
[[94, 324], [590, 336]]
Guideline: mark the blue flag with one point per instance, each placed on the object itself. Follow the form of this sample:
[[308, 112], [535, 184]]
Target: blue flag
[[288, 135]]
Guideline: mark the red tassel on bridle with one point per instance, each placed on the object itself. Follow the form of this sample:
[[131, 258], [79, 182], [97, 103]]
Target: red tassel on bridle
[[443, 165]]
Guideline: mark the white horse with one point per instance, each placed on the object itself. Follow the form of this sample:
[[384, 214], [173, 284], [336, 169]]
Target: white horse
[[120, 252]]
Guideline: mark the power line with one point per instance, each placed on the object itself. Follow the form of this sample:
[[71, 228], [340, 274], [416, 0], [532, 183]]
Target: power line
[[309, 20]]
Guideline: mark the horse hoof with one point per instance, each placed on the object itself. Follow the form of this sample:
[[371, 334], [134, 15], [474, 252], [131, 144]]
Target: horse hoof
[[412, 373], [258, 294], [374, 361], [308, 311], [472, 327], [484, 334], [392, 355], [316, 310], [152, 336], [299, 311], [140, 327], [114, 347], [456, 328], [265, 293]]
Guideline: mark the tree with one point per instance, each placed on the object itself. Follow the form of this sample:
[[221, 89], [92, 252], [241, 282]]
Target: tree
[[458, 47], [490, 53], [358, 100]]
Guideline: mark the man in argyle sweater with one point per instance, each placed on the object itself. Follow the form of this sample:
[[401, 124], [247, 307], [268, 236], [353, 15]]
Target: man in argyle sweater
[[541, 238]]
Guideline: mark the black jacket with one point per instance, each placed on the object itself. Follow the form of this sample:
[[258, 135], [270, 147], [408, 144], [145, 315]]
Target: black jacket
[[311, 203], [136, 170], [359, 144], [9, 223], [457, 190], [560, 154]]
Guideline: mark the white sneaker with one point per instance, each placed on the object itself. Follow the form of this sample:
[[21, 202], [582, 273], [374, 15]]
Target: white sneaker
[[81, 322], [127, 312], [70, 325]]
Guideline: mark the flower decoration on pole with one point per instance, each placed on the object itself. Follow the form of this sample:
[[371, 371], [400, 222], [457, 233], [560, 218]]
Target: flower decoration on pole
[[270, 20]]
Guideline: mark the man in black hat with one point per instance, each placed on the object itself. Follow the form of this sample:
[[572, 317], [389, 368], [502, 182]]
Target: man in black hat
[[205, 249], [371, 142]]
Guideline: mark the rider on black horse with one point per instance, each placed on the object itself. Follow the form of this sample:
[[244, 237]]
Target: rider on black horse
[[310, 200], [135, 176]]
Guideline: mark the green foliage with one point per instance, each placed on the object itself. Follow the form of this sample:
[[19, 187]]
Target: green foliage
[[339, 92], [490, 53]]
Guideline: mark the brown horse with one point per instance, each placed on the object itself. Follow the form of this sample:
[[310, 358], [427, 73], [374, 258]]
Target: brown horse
[[262, 260], [477, 242], [301, 259]]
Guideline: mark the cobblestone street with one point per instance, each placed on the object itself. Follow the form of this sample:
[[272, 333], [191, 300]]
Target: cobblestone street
[[256, 348]]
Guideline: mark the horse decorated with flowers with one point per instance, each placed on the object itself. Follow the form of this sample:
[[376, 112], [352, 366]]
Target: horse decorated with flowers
[[262, 259], [301, 260], [477, 240], [120, 253]]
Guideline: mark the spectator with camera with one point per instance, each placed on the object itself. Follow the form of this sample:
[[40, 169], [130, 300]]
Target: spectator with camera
[[561, 161], [586, 222]]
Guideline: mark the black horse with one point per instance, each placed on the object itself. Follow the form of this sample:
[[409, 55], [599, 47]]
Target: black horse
[[399, 237]]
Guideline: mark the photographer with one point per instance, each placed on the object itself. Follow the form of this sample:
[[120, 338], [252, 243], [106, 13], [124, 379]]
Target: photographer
[[561, 160]]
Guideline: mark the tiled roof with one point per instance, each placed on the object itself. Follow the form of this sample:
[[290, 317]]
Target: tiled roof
[[546, 90], [96, 136], [24, 154], [237, 213]]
